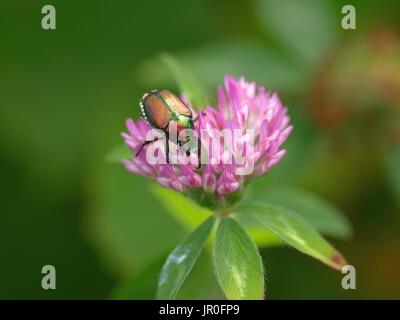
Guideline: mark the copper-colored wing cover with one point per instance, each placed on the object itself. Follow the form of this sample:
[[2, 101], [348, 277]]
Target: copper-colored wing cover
[[155, 111], [175, 103]]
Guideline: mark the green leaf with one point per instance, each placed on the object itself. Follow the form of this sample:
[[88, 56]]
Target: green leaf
[[190, 215], [317, 212], [181, 261], [202, 281], [119, 153], [184, 210], [188, 85], [237, 262], [142, 285], [262, 238], [294, 231]]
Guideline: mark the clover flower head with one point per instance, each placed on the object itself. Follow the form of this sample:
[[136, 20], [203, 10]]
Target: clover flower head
[[257, 124]]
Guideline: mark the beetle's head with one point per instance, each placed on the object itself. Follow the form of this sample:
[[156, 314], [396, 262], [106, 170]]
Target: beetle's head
[[187, 136]]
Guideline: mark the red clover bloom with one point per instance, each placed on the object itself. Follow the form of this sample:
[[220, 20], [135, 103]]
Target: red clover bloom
[[240, 138]]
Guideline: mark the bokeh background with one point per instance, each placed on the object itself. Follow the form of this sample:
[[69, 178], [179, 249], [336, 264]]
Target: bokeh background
[[65, 94]]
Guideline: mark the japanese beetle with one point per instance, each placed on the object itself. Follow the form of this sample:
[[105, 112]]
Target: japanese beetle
[[159, 108]]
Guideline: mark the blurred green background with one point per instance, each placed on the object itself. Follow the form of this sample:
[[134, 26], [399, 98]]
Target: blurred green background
[[65, 94]]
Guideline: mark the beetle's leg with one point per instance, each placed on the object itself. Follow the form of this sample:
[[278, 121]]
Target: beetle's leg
[[198, 153], [143, 145], [167, 147]]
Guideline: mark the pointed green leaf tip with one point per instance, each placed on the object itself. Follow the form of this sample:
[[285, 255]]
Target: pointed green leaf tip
[[237, 262], [295, 231], [181, 261], [188, 85]]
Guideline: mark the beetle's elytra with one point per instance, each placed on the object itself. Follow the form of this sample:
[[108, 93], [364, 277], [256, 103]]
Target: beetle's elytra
[[159, 107]]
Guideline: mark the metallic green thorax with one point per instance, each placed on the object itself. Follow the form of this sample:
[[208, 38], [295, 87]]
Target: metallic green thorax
[[182, 122]]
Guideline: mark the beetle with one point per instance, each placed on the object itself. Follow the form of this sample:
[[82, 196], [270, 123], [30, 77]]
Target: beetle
[[159, 108]]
